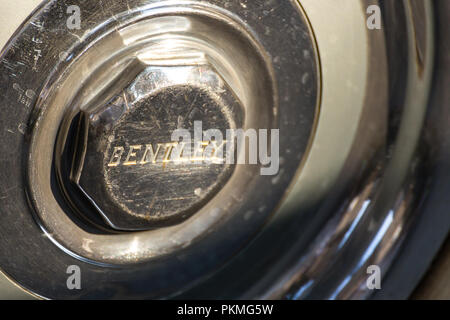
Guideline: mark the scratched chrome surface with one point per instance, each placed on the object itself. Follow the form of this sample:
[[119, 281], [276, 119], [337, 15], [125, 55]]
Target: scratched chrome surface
[[307, 233], [241, 69]]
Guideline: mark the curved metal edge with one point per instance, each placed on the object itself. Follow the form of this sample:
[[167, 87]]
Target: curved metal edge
[[389, 219], [432, 226], [95, 276], [13, 17], [349, 281]]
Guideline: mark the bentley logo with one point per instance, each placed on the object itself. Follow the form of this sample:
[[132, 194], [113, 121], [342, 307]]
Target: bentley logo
[[173, 152], [239, 147]]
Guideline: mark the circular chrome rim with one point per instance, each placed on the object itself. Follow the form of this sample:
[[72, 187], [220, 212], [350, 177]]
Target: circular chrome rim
[[224, 224], [322, 226]]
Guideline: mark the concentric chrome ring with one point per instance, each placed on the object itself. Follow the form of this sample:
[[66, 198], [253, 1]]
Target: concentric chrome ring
[[363, 122], [255, 65]]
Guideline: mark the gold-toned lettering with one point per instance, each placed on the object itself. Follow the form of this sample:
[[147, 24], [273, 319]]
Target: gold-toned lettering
[[132, 155], [116, 157], [150, 155]]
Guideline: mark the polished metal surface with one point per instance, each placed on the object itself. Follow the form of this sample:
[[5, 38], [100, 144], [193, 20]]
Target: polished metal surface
[[93, 75], [127, 168], [92, 174], [124, 162], [13, 15]]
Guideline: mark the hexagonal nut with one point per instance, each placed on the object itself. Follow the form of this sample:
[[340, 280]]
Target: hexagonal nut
[[125, 161]]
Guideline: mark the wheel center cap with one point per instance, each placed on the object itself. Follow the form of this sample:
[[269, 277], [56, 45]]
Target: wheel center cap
[[131, 163]]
